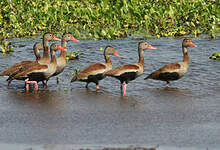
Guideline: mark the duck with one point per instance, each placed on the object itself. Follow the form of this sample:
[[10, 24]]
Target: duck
[[46, 38], [16, 67], [20, 66], [95, 72], [130, 72], [174, 71], [61, 60], [35, 73]]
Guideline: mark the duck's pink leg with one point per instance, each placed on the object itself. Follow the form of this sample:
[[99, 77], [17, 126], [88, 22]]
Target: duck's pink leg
[[97, 87], [26, 85], [167, 85], [8, 84], [47, 84], [121, 87], [124, 89], [87, 85], [35, 85], [31, 82]]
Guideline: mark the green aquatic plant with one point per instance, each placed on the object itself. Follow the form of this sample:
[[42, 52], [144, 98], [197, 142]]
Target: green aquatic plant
[[73, 55], [6, 47], [75, 71], [103, 19], [215, 56]]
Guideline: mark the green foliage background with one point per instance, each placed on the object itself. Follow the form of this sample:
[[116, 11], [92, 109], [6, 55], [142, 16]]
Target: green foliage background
[[109, 19]]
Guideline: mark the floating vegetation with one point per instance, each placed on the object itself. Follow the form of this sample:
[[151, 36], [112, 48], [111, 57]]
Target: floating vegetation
[[215, 56], [73, 55], [103, 19], [75, 71], [6, 47]]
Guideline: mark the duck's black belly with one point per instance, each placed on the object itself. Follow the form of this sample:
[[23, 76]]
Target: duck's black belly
[[94, 78], [127, 76], [20, 78], [38, 76], [169, 76]]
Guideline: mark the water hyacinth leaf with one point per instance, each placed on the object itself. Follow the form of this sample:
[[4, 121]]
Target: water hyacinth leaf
[[89, 17]]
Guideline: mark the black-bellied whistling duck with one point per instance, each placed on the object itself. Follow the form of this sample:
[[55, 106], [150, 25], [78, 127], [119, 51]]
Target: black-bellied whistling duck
[[16, 67], [34, 74], [37, 47], [19, 67], [173, 71], [95, 72], [130, 72], [61, 60], [46, 38]]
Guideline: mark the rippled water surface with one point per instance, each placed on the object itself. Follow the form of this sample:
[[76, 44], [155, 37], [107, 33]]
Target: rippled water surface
[[186, 115]]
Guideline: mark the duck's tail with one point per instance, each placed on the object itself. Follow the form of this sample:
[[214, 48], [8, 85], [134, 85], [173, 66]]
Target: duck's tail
[[147, 77]]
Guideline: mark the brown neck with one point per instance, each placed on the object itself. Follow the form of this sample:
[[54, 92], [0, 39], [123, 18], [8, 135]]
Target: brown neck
[[63, 44], [185, 55], [141, 56], [63, 54], [37, 54], [108, 60], [45, 44], [53, 57]]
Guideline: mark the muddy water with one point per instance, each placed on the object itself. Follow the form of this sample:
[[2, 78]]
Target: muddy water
[[186, 115]]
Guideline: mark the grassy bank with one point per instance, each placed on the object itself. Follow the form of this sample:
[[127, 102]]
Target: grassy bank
[[104, 19]]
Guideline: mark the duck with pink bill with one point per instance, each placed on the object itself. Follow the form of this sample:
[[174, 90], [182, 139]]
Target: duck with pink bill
[[130, 72], [35, 73], [61, 60], [96, 72], [21, 66], [174, 71]]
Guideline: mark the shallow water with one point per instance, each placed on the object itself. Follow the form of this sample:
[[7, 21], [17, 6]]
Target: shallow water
[[186, 115]]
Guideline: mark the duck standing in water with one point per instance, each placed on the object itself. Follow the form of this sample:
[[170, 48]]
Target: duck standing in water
[[174, 71], [95, 72], [61, 60], [130, 72], [21, 66], [35, 73], [18, 66]]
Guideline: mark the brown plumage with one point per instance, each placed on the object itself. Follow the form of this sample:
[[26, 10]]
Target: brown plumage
[[61, 60], [95, 72], [46, 38], [90, 72], [21, 66], [92, 69], [130, 72], [40, 72], [174, 71], [18, 66], [166, 68], [122, 69]]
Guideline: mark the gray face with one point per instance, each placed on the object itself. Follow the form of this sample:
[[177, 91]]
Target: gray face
[[143, 45], [48, 36], [186, 42], [109, 50], [67, 37], [54, 47]]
